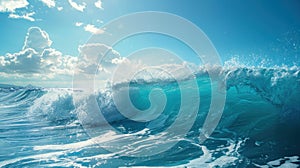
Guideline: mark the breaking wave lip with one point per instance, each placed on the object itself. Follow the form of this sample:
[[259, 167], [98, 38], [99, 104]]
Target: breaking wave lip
[[55, 105], [273, 83]]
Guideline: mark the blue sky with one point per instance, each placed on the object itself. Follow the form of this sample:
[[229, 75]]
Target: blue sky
[[248, 29]]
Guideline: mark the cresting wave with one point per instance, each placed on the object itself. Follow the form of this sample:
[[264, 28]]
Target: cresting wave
[[279, 85], [261, 104], [276, 84]]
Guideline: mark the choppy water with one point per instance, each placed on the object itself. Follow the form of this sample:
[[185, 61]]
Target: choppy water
[[39, 127]]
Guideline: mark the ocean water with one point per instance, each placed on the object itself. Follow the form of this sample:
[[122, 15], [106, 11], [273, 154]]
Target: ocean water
[[260, 125]]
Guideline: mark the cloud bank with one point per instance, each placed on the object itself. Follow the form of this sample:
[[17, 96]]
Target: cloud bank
[[37, 57], [39, 60]]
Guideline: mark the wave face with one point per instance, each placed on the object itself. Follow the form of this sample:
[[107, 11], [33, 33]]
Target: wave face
[[259, 126]]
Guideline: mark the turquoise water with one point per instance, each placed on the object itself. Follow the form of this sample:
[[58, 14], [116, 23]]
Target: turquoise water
[[39, 127]]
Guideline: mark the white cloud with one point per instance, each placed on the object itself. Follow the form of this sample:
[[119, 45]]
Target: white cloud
[[37, 58], [102, 62], [26, 16], [98, 4], [92, 29], [25, 61], [92, 52], [79, 7], [3, 61], [49, 3], [12, 5], [60, 8], [78, 24], [37, 39]]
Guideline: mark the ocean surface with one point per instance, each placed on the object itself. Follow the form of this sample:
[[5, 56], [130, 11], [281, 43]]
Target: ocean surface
[[259, 127]]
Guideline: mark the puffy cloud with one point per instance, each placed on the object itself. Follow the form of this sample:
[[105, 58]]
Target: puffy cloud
[[12, 5], [37, 58], [98, 4], [26, 16], [49, 3], [25, 61], [79, 7], [53, 61], [94, 53], [37, 39], [104, 62], [93, 29], [3, 61]]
